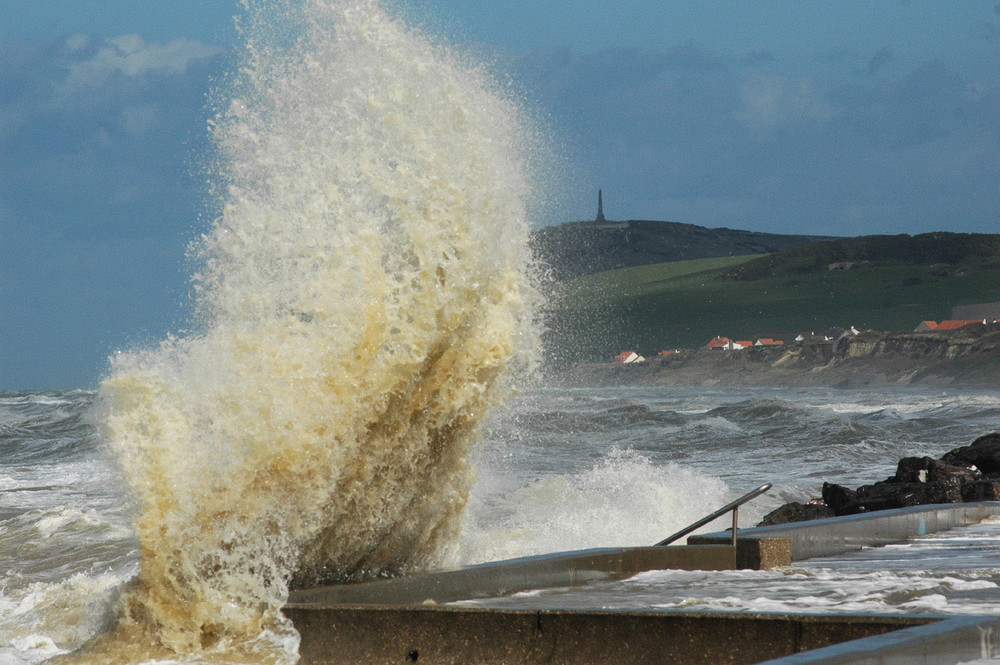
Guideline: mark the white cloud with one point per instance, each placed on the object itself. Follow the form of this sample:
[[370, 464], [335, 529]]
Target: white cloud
[[770, 101], [132, 56]]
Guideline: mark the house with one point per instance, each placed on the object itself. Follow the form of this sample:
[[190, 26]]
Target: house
[[629, 357], [782, 336], [767, 341], [668, 352], [926, 326], [719, 343], [743, 344], [819, 337], [957, 323]]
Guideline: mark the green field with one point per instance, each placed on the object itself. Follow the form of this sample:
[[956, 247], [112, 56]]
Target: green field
[[683, 304]]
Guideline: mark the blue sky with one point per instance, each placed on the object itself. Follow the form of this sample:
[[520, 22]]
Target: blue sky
[[787, 116]]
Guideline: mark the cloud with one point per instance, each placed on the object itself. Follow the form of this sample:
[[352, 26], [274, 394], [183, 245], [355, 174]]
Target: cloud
[[95, 121], [98, 139], [132, 56], [879, 60], [770, 148], [771, 101]]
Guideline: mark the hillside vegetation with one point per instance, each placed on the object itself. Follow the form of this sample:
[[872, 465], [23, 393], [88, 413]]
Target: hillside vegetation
[[893, 285], [924, 249], [582, 248]]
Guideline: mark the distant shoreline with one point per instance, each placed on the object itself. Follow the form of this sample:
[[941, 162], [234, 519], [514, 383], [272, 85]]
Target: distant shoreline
[[964, 358]]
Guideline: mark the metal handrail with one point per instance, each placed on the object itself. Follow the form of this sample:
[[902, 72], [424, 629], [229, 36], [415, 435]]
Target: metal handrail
[[732, 505]]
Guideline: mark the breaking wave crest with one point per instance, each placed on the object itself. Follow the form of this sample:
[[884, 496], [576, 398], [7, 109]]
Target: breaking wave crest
[[363, 299]]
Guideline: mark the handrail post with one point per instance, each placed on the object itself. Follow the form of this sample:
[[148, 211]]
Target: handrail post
[[736, 512], [731, 506]]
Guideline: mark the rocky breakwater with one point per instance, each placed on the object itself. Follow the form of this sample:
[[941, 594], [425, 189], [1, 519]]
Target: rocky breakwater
[[969, 357], [967, 474]]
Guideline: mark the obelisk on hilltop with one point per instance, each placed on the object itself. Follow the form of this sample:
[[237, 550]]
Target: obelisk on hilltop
[[600, 207]]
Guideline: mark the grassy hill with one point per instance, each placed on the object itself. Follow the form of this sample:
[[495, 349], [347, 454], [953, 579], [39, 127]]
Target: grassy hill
[[684, 303], [581, 248], [941, 249]]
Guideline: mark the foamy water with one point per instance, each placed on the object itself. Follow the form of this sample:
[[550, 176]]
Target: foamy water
[[557, 470], [357, 318], [951, 572]]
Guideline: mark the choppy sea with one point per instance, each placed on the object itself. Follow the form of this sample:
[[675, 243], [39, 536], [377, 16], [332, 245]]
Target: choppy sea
[[558, 469]]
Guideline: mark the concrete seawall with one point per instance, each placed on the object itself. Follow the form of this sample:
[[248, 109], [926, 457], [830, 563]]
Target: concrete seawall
[[836, 535], [500, 578], [402, 620], [468, 636]]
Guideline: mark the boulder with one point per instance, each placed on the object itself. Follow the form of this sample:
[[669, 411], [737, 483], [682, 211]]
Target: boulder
[[796, 512], [888, 494], [984, 454], [837, 497], [969, 473], [930, 470], [981, 490]]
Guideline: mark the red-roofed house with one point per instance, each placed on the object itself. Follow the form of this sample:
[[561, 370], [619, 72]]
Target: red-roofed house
[[719, 343], [926, 326], [629, 357], [956, 324], [742, 345], [767, 341]]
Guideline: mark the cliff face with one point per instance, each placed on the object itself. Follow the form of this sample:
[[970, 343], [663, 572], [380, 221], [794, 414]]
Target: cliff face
[[968, 357], [970, 341]]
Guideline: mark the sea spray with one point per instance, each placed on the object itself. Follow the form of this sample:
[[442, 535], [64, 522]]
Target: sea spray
[[624, 499], [363, 298]]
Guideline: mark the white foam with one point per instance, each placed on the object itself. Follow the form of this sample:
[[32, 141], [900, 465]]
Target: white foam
[[624, 500], [42, 619]]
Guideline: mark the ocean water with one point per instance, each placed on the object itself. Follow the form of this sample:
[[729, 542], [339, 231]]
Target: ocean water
[[556, 469], [353, 396]]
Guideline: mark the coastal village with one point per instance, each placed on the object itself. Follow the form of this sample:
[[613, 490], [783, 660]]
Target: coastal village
[[830, 336], [881, 273]]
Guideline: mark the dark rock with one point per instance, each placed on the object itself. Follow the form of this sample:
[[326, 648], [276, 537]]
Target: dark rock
[[984, 454], [930, 470], [796, 512], [970, 473], [981, 490], [837, 497], [889, 494]]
